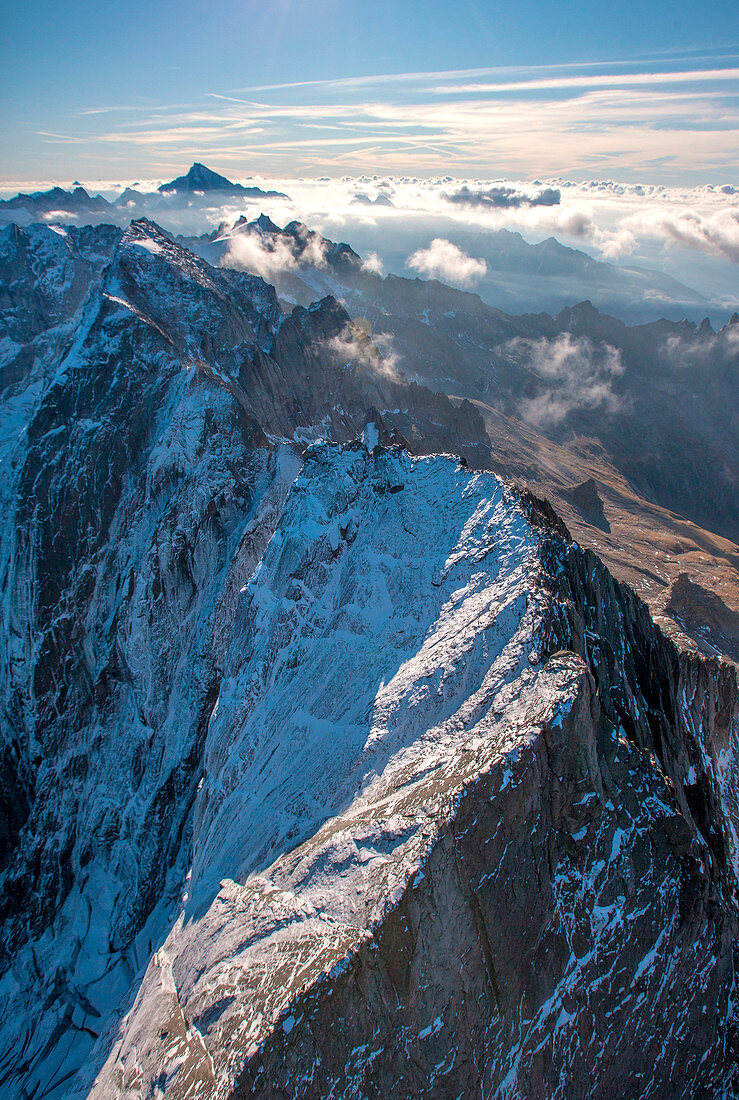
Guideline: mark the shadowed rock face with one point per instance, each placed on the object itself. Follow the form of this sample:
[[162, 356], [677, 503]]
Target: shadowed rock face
[[520, 961], [517, 962], [588, 502], [703, 616], [327, 769]]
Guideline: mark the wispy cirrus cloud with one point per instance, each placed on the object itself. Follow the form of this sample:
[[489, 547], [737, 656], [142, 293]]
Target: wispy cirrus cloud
[[524, 122], [469, 152], [593, 80], [590, 72]]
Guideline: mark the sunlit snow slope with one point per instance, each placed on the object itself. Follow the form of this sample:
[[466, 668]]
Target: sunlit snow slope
[[422, 856], [389, 617]]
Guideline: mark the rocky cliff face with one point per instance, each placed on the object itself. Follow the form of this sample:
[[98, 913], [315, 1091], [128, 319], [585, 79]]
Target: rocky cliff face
[[434, 853], [539, 952], [328, 769]]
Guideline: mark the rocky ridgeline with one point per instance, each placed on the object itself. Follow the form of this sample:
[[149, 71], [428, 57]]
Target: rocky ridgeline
[[328, 769], [586, 882]]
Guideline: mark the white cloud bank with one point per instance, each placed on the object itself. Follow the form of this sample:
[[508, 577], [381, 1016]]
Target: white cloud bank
[[714, 233], [247, 252], [274, 255], [354, 345], [688, 233], [444, 260]]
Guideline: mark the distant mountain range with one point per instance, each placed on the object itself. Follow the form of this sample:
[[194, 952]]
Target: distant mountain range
[[76, 204], [647, 411], [520, 276], [55, 201], [682, 455], [556, 275]]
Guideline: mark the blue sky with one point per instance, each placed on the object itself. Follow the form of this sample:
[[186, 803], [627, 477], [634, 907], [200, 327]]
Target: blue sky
[[635, 91]]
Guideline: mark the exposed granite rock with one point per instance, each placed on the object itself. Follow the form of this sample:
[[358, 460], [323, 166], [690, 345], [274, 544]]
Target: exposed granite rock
[[517, 965], [547, 904]]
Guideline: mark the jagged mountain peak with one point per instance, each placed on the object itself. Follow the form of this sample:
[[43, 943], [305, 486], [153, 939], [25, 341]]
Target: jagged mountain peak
[[185, 297], [264, 224], [146, 229], [145, 245], [199, 178], [326, 315], [144, 239], [582, 313], [309, 248], [130, 195], [77, 201]]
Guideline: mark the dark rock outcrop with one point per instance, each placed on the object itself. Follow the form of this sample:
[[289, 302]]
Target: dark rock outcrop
[[589, 504], [521, 964], [702, 616]]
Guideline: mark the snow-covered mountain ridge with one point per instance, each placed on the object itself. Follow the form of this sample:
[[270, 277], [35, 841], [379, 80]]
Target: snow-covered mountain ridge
[[333, 770]]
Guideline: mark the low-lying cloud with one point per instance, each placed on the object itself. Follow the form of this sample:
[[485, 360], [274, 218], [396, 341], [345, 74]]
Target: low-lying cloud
[[274, 255], [573, 374], [717, 232], [687, 352], [444, 260], [503, 198], [654, 228], [373, 263], [354, 345], [248, 252]]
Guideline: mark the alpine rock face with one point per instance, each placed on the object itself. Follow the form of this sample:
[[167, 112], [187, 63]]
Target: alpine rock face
[[331, 765]]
